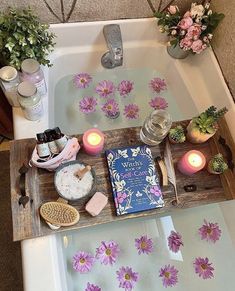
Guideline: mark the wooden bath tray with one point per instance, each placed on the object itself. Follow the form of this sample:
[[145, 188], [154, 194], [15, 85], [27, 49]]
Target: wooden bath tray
[[40, 187]]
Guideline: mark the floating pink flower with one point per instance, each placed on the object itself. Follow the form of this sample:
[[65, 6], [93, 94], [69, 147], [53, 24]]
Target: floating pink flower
[[144, 245], [127, 278], [83, 262], [92, 287], [111, 109], [121, 196], [82, 80], [87, 104], [158, 103], [203, 268], [131, 111], [107, 252], [175, 241], [155, 191], [105, 88], [169, 275], [125, 88], [210, 231], [157, 85]]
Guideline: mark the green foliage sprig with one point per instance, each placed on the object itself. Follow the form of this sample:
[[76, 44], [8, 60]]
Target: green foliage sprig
[[23, 36]]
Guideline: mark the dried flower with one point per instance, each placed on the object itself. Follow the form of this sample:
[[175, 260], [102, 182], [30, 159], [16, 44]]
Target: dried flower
[[131, 111], [107, 252], [127, 278], [144, 245], [175, 241], [92, 287], [82, 80], [125, 88], [169, 275], [157, 85], [158, 103], [83, 262], [105, 89], [111, 108], [210, 231], [87, 104], [203, 268]]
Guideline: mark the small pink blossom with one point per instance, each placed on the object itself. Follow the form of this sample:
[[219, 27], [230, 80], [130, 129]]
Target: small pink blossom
[[158, 103], [92, 287], [121, 196], [197, 46], [169, 275], [175, 241], [105, 88], [203, 268], [88, 104], [111, 108], [83, 262], [131, 111], [194, 32], [125, 88], [187, 14], [107, 252], [82, 80], [185, 23], [157, 85], [173, 9], [155, 191], [127, 278], [186, 43], [210, 231], [144, 245]]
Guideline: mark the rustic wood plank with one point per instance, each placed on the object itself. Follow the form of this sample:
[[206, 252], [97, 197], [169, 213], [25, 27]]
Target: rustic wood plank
[[40, 185]]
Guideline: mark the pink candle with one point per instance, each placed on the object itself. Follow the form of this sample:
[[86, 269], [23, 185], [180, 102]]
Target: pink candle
[[93, 141], [192, 162]]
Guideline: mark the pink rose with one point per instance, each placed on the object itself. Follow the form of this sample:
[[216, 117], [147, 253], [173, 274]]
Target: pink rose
[[194, 31], [173, 9], [197, 46], [186, 43], [185, 23], [187, 14]]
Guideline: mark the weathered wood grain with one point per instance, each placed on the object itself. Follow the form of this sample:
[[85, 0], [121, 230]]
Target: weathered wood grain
[[40, 185]]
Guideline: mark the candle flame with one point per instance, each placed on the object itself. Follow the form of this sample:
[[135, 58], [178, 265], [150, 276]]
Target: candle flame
[[195, 160], [94, 138]]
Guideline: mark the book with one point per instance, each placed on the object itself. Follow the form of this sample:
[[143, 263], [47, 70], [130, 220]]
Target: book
[[134, 179]]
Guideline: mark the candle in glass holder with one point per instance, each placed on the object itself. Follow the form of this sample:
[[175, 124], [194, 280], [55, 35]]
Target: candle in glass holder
[[93, 141], [191, 162]]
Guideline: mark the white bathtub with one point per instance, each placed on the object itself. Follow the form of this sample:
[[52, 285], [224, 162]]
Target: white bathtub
[[79, 48]]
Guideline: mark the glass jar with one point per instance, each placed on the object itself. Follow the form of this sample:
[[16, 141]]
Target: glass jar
[[30, 101], [155, 127], [31, 71], [9, 82]]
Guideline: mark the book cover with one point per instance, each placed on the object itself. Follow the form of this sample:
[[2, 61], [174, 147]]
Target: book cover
[[134, 179]]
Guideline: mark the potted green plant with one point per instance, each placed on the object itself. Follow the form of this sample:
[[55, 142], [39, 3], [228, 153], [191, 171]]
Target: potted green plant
[[204, 126], [217, 164], [23, 36], [176, 135]]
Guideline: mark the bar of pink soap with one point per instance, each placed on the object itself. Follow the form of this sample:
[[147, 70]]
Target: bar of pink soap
[[96, 204]]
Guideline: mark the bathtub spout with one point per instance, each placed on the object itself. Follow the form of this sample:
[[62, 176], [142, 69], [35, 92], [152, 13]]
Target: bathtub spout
[[114, 56]]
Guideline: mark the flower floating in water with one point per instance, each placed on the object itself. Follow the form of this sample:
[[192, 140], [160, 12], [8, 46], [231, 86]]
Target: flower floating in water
[[107, 252], [175, 241], [144, 245], [121, 196], [131, 111], [210, 231], [169, 275], [125, 88], [127, 278], [82, 80], [155, 191], [158, 103], [157, 85], [92, 287], [111, 109], [87, 104], [203, 268], [105, 89], [83, 262]]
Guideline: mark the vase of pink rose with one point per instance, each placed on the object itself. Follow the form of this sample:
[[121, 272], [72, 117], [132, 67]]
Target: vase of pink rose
[[190, 32]]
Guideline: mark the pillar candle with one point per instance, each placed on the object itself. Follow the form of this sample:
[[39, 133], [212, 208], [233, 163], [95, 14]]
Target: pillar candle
[[93, 141], [191, 162]]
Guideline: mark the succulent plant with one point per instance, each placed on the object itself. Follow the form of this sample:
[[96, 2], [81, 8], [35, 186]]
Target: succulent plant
[[217, 164], [206, 122], [177, 134]]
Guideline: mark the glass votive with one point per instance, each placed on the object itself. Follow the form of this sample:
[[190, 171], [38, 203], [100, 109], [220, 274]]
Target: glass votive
[[155, 127]]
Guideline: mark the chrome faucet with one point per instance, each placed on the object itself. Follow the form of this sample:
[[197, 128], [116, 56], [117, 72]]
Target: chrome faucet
[[114, 56]]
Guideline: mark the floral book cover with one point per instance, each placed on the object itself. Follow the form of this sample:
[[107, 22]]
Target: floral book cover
[[134, 179]]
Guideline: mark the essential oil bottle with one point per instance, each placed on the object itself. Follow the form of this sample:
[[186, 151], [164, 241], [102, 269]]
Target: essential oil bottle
[[60, 138], [42, 146]]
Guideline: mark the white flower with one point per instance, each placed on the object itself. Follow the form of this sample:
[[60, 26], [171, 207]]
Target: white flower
[[209, 35], [204, 46], [209, 12], [197, 10], [174, 32], [205, 39], [182, 32], [198, 19], [207, 5], [204, 27]]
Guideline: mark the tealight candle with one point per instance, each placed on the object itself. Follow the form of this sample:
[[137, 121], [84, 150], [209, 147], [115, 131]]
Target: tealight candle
[[93, 141], [192, 162]]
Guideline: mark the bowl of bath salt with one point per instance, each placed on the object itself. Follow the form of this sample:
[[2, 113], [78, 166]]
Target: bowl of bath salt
[[69, 186]]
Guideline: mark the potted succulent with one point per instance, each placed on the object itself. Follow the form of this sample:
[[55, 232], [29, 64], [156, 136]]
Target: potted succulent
[[204, 126], [176, 135], [217, 165], [23, 36]]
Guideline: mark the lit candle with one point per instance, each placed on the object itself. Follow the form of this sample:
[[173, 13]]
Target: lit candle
[[192, 162], [93, 141]]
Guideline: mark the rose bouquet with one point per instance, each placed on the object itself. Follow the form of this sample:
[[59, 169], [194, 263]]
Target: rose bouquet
[[192, 31]]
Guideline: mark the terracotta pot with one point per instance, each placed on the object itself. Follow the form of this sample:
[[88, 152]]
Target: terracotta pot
[[195, 136]]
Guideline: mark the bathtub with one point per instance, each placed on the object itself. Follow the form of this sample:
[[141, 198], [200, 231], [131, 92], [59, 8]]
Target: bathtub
[[195, 84]]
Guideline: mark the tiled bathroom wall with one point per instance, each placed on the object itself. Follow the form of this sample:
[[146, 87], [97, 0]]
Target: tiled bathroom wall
[[56, 11]]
